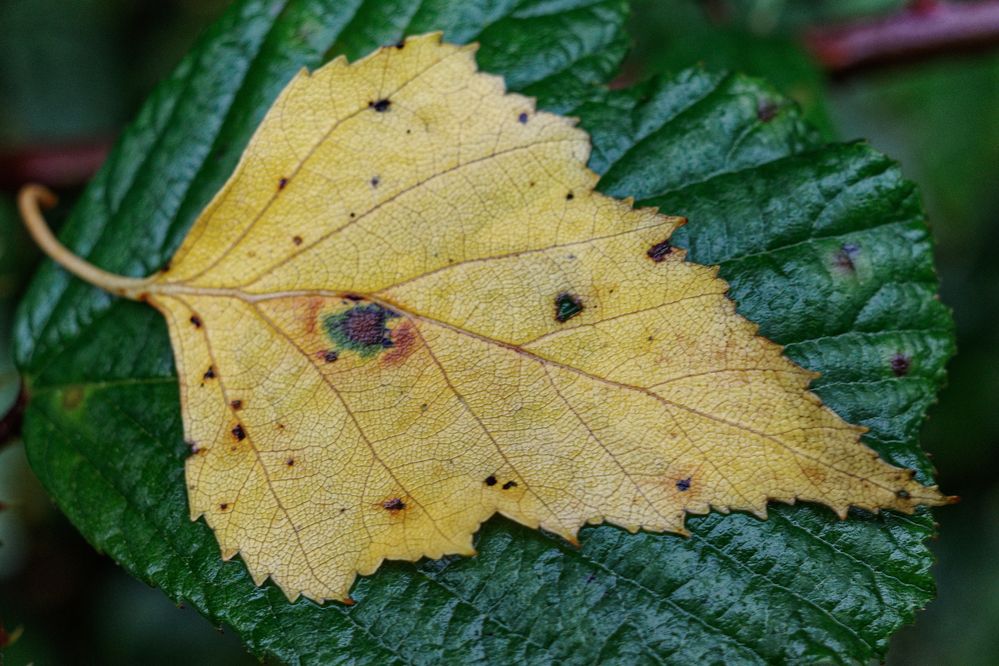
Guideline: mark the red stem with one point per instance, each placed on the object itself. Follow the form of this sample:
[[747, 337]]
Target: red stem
[[926, 27]]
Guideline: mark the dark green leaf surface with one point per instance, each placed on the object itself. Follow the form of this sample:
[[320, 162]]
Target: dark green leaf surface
[[825, 247]]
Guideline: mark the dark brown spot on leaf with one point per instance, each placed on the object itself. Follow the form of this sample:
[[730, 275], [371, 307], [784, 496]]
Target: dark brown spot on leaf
[[210, 373], [290, 462], [683, 485], [509, 484], [660, 251], [490, 480], [902, 494], [400, 44], [381, 106], [330, 355], [282, 183], [374, 181], [237, 404], [567, 306], [570, 196], [239, 433], [297, 240], [196, 320], [522, 118], [223, 506]]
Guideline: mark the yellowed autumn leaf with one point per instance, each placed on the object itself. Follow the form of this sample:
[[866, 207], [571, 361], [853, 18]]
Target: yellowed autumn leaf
[[408, 310]]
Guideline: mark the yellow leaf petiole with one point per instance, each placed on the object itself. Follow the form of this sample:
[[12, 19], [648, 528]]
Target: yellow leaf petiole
[[30, 201]]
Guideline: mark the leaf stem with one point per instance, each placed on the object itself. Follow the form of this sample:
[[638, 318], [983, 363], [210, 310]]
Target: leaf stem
[[31, 200]]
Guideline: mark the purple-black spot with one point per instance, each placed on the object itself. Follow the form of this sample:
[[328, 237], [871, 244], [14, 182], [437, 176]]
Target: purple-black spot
[[381, 106], [330, 355], [660, 251], [282, 183], [490, 480], [210, 373], [236, 404], [374, 181], [394, 504], [238, 432], [766, 111], [196, 320], [846, 255], [683, 485], [900, 365], [509, 484], [522, 118], [567, 306]]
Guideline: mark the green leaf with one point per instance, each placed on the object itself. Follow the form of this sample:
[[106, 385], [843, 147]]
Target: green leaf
[[825, 247]]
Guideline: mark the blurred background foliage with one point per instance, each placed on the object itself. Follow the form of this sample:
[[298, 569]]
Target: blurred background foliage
[[72, 73]]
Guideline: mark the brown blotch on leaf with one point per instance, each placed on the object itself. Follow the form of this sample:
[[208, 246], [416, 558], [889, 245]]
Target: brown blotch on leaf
[[223, 506], [490, 480], [660, 251], [381, 106], [683, 485], [238, 432], [900, 364], [236, 404], [282, 183], [290, 462], [570, 196], [297, 240], [72, 397], [394, 504], [196, 320], [509, 484], [404, 340]]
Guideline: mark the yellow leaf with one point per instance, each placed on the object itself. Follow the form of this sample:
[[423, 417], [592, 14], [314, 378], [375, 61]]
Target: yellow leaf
[[408, 310]]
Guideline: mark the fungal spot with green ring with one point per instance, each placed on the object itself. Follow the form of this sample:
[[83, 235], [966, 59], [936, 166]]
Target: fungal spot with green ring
[[362, 328]]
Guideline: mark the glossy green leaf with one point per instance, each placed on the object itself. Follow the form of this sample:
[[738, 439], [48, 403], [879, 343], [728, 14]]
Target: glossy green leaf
[[825, 247]]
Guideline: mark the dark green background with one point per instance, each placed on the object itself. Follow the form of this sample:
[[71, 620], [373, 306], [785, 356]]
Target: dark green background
[[81, 73]]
